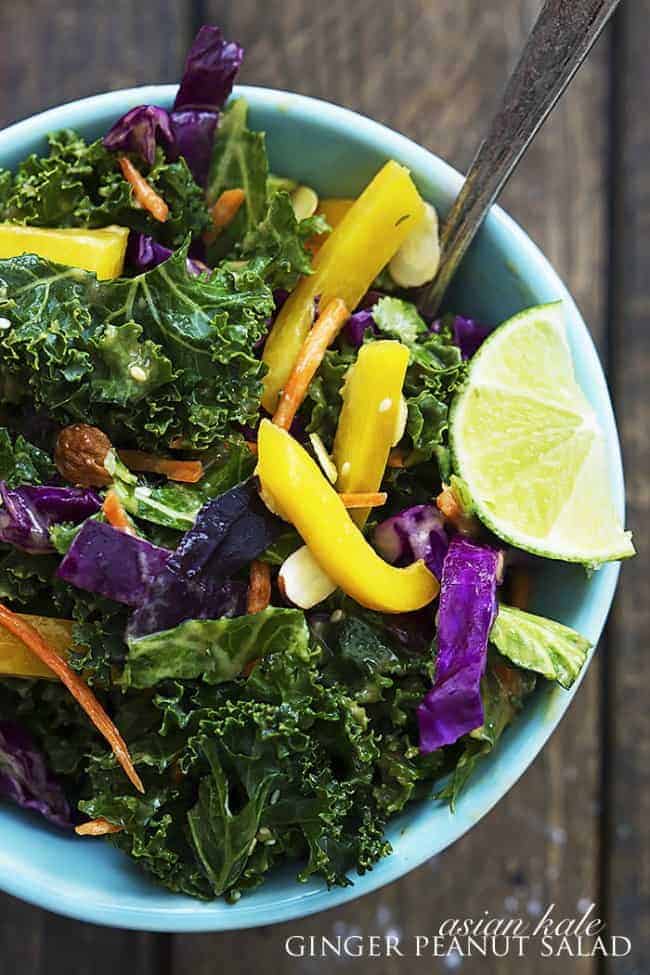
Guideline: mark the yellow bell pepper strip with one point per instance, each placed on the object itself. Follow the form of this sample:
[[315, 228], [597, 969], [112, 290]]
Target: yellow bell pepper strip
[[325, 329], [333, 209], [101, 251], [16, 660], [293, 485], [368, 419], [34, 640], [346, 265]]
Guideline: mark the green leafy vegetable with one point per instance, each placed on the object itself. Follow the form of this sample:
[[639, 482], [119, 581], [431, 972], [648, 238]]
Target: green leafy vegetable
[[23, 463], [280, 240], [503, 691], [174, 505], [214, 650], [399, 319], [542, 645], [265, 227], [81, 185], [103, 353], [238, 162]]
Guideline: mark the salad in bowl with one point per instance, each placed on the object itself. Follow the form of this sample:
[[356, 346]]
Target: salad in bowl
[[268, 536]]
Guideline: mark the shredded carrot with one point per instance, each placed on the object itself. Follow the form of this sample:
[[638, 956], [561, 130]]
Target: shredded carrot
[[97, 827], [520, 587], [371, 499], [396, 458], [252, 447], [187, 471], [324, 330], [77, 687], [448, 505], [143, 192], [115, 513], [226, 208], [259, 587]]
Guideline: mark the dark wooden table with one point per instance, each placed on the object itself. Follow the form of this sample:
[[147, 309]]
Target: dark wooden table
[[575, 828]]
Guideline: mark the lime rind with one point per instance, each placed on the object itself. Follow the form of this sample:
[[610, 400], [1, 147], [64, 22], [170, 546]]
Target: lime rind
[[527, 442]]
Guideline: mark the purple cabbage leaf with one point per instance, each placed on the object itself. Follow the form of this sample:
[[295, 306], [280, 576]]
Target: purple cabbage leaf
[[140, 131], [467, 333], [230, 530], [25, 778], [194, 131], [112, 563], [415, 533], [194, 582], [210, 70], [467, 610], [27, 513], [144, 253]]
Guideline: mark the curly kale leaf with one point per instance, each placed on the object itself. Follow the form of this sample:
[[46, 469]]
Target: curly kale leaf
[[265, 227], [81, 185], [21, 462], [159, 356], [279, 239], [239, 161]]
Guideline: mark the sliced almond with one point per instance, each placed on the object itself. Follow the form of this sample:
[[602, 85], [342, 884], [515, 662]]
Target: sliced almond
[[324, 459], [305, 202], [416, 262], [302, 580], [400, 422]]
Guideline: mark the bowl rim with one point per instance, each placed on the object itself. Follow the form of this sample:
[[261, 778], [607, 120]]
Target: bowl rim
[[183, 913]]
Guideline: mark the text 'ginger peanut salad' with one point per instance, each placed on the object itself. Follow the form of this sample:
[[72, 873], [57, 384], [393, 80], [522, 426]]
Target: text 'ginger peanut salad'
[[269, 538]]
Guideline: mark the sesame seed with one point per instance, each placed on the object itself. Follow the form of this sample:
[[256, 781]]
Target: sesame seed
[[337, 616], [252, 846], [385, 405], [138, 373], [5, 323], [274, 797]]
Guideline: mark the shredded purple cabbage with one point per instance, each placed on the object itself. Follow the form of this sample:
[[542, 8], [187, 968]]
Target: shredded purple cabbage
[[193, 139], [189, 129], [173, 598], [27, 513], [210, 70], [144, 253], [25, 778], [140, 131], [228, 533], [196, 582], [356, 327], [468, 334], [468, 608], [105, 560], [193, 582], [415, 533]]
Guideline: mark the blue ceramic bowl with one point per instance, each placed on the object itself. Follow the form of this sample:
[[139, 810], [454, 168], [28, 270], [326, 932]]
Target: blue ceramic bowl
[[337, 152]]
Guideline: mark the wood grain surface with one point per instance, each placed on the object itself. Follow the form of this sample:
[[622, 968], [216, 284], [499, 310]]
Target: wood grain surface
[[574, 829]]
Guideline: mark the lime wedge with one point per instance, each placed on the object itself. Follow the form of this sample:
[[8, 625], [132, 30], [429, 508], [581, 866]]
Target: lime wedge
[[528, 444]]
